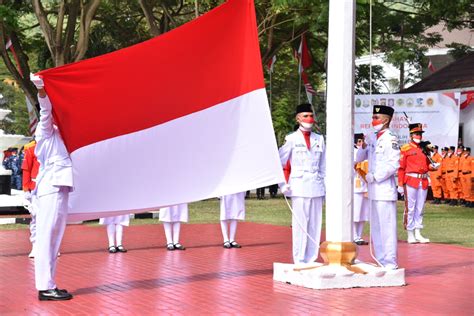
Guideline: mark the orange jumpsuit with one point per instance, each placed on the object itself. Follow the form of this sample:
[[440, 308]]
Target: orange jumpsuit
[[443, 167], [465, 175], [435, 177], [452, 177]]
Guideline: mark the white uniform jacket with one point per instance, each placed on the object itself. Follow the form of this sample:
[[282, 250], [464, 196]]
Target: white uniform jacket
[[360, 186], [308, 166], [384, 159], [55, 165]]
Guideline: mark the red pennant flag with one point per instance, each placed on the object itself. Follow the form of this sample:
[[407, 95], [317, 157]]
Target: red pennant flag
[[139, 141], [9, 45], [431, 67], [304, 55], [271, 63]]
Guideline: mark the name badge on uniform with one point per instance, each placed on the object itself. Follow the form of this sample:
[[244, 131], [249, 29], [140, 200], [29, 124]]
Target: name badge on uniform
[[300, 145]]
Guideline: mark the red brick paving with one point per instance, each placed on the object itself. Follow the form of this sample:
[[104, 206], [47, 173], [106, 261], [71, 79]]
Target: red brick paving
[[208, 279]]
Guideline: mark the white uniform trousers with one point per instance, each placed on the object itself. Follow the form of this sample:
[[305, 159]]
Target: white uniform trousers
[[361, 208], [361, 214], [32, 209], [51, 219], [383, 229], [416, 198], [308, 213]]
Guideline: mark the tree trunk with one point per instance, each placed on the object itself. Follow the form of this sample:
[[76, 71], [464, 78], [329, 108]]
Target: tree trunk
[[150, 18]]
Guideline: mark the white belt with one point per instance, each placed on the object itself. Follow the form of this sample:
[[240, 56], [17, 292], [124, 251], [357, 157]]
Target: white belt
[[417, 175]]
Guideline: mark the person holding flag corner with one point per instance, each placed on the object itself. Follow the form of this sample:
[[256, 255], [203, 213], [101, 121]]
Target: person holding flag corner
[[53, 184]]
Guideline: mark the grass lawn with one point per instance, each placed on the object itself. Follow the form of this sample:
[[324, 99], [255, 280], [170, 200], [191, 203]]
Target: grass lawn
[[443, 224]]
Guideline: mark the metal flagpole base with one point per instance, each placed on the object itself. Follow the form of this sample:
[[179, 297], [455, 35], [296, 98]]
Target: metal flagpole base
[[337, 272]]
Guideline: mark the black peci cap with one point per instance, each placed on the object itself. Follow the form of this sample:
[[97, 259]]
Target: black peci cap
[[383, 109], [358, 136], [305, 107]]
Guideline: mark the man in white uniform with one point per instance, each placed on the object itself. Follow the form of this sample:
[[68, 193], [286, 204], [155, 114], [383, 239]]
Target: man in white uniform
[[232, 210], [172, 216], [53, 184], [383, 153], [361, 202], [304, 162]]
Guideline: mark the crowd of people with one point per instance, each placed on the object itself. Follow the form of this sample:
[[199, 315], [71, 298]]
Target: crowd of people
[[378, 162]]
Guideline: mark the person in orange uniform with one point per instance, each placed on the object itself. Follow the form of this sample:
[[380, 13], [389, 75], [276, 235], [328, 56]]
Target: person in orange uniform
[[449, 167], [413, 183], [435, 177], [30, 167], [453, 175], [470, 176], [465, 175], [444, 155]]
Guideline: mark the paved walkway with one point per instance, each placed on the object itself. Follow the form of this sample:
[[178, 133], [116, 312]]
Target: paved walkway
[[208, 279]]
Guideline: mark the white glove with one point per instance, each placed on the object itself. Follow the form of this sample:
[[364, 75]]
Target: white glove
[[285, 189], [37, 81], [435, 165], [369, 177], [27, 196], [400, 190]]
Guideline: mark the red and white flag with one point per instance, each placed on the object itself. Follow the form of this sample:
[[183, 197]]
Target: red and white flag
[[304, 56], [138, 140], [431, 67], [9, 45], [271, 63]]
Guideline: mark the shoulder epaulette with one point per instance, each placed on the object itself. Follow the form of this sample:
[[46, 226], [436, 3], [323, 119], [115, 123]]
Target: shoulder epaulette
[[405, 147], [30, 144]]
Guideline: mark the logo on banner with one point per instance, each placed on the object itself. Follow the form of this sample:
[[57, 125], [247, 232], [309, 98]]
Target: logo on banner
[[409, 102], [365, 103], [400, 102], [430, 102], [358, 103], [419, 102], [391, 102]]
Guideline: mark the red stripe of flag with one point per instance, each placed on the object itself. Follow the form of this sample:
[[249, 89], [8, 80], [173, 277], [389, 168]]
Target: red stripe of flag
[[141, 86]]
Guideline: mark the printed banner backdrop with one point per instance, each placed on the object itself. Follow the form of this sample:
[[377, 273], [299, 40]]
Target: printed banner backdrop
[[439, 113], [179, 118]]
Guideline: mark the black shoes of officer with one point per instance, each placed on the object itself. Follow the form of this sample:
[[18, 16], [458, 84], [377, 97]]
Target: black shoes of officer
[[54, 295], [169, 247], [178, 246], [360, 242], [234, 244], [120, 248]]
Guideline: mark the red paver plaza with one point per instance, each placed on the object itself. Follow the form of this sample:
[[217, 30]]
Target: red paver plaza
[[208, 279]]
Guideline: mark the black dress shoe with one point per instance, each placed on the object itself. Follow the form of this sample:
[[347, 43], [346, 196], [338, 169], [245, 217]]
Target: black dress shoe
[[54, 295], [234, 244], [170, 247], [178, 246], [227, 245], [120, 248], [112, 249]]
